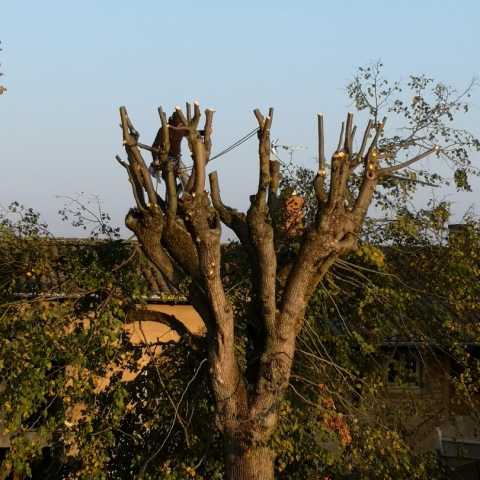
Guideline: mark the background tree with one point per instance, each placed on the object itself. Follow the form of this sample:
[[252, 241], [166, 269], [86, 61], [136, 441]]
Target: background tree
[[181, 235], [336, 419], [60, 331], [408, 288]]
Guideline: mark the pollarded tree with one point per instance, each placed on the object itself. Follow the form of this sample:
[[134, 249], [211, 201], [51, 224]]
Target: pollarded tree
[[181, 235]]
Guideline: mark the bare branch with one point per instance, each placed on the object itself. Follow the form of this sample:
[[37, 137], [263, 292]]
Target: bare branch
[[165, 136], [340, 169], [199, 155], [136, 187], [319, 182], [354, 131], [348, 134], [378, 131], [383, 172], [139, 168], [196, 115], [366, 136], [230, 217], [321, 143], [274, 176], [196, 182], [208, 130], [340, 139], [264, 154], [181, 116], [260, 226], [121, 162], [369, 181], [171, 186], [143, 146], [259, 117], [125, 130]]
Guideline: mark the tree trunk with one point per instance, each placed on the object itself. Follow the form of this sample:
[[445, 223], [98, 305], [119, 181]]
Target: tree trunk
[[254, 463]]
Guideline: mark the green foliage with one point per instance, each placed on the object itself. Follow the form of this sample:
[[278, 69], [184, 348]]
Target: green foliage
[[420, 114], [53, 349], [408, 290], [63, 352], [336, 422]]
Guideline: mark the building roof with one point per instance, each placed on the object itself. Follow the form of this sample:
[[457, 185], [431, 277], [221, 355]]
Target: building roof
[[60, 267]]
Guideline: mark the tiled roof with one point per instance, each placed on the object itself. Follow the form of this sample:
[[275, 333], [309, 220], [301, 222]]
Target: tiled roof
[[47, 269]]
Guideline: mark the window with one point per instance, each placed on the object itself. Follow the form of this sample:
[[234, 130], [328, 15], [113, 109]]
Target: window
[[404, 369]]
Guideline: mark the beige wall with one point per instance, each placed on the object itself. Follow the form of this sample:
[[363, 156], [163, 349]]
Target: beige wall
[[145, 328]]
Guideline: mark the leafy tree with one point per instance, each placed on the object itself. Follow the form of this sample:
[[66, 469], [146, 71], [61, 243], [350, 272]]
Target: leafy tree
[[406, 289], [58, 338], [64, 351]]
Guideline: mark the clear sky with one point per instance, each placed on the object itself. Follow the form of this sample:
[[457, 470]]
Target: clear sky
[[68, 65]]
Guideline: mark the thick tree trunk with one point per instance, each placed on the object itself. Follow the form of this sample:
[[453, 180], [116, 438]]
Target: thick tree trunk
[[254, 463]]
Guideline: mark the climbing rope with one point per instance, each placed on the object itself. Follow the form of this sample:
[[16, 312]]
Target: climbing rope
[[234, 145], [239, 142]]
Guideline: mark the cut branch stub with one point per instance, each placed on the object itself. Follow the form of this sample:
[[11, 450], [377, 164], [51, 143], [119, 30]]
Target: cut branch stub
[[165, 136], [138, 169], [208, 129], [128, 139], [395, 168], [264, 124], [199, 143], [340, 169], [319, 183], [230, 217], [348, 134], [366, 136]]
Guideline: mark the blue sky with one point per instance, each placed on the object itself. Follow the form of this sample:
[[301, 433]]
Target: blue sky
[[69, 64]]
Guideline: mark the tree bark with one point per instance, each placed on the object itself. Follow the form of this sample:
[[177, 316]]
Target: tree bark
[[253, 463]]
